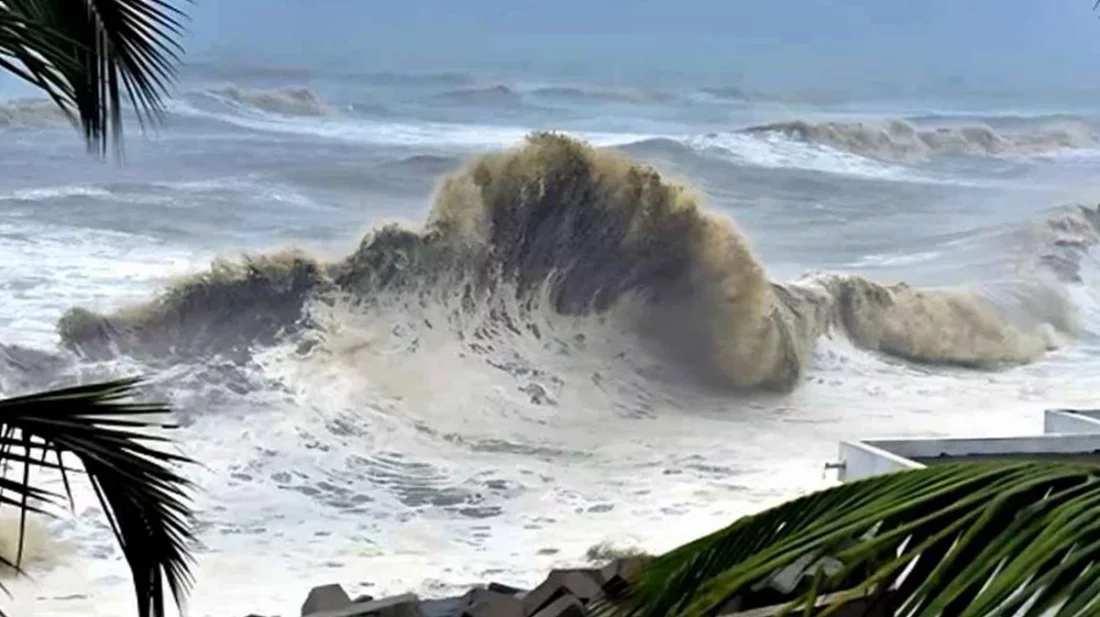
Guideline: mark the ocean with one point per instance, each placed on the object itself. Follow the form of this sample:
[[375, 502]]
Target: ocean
[[412, 348]]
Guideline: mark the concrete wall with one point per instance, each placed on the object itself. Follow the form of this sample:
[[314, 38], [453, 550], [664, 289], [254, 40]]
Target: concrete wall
[[860, 459], [1071, 421], [871, 457], [1074, 443]]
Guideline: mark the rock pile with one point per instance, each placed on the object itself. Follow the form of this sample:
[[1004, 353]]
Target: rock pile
[[564, 593]]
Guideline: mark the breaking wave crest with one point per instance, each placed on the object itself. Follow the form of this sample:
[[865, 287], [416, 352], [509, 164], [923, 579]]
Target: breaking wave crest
[[574, 94], [505, 96], [899, 140], [285, 101], [558, 228], [493, 96]]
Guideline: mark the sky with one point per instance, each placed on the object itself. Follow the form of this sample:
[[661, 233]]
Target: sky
[[760, 43]]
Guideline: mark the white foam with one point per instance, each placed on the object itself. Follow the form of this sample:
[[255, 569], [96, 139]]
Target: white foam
[[894, 259], [1088, 153], [764, 150], [621, 457], [57, 192], [436, 134], [775, 151], [60, 267]]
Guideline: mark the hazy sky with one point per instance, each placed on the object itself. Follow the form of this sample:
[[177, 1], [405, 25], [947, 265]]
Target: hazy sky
[[1005, 43]]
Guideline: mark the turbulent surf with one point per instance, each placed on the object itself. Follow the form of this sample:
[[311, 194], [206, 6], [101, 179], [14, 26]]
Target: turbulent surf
[[417, 343], [558, 226], [898, 140]]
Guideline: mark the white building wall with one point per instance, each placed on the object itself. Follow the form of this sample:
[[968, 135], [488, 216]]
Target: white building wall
[[1066, 432], [1071, 421]]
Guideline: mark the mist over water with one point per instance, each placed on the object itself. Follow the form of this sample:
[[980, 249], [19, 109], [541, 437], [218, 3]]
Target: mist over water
[[437, 307]]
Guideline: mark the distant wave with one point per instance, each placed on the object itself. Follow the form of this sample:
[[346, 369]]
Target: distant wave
[[859, 149], [740, 149], [507, 96], [574, 94], [492, 96], [760, 148], [301, 102], [743, 95], [422, 164], [224, 70], [365, 129], [285, 101], [369, 130], [778, 152], [555, 227], [998, 120], [660, 147], [390, 78], [373, 110], [268, 74], [734, 93], [899, 140], [31, 113]]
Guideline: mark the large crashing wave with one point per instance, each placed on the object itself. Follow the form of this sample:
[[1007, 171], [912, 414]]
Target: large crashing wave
[[899, 140], [555, 225]]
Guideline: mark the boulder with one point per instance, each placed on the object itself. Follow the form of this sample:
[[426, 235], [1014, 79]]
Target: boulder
[[584, 585], [505, 589], [477, 594], [407, 605], [564, 606], [489, 603], [445, 607], [325, 598], [616, 575]]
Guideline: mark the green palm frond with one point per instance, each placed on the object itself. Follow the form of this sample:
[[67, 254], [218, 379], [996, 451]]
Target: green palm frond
[[88, 55], [967, 540], [145, 500]]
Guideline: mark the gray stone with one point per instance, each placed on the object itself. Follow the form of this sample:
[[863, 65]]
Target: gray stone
[[325, 598], [478, 594], [505, 589], [565, 606], [445, 607], [584, 585], [488, 603], [407, 605], [616, 575]]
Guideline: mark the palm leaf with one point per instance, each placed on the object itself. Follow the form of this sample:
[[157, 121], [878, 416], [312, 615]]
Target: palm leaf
[[144, 498], [968, 540], [86, 54]]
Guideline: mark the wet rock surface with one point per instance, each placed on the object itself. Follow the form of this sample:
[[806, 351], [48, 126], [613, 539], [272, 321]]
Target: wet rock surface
[[564, 593]]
